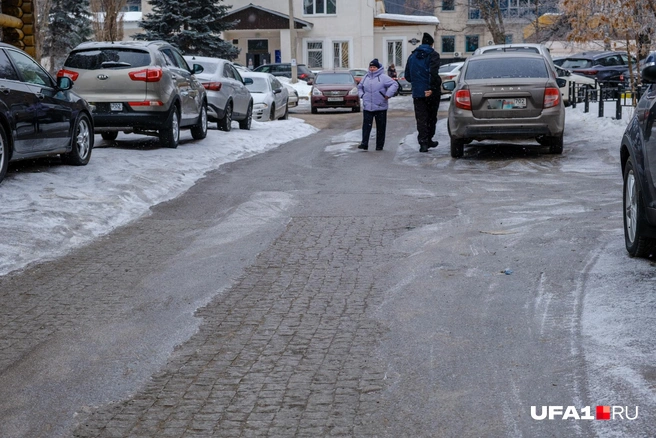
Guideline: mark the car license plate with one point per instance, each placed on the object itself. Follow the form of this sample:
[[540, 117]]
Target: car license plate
[[516, 103], [116, 106], [335, 99]]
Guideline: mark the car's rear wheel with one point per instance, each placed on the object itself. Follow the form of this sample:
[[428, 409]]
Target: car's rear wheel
[[81, 142], [110, 136], [285, 116], [556, 144], [637, 244], [4, 153], [248, 121], [355, 109], [170, 136], [225, 124], [457, 147], [199, 131]]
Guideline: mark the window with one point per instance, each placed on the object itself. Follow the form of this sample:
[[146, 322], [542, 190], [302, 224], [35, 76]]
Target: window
[[132, 6], [471, 43], [448, 5], [6, 69], [320, 7], [509, 8], [30, 70], [448, 44], [315, 54], [341, 54], [395, 53]]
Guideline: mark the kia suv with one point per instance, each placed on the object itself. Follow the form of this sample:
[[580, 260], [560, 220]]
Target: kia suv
[[285, 69], [142, 87]]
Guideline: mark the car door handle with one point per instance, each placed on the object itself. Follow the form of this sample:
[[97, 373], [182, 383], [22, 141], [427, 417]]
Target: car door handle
[[4, 90], [174, 76], [40, 96]]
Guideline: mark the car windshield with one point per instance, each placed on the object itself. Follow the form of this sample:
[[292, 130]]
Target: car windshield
[[334, 79], [96, 59], [447, 68], [259, 85], [485, 68], [576, 63], [208, 67]]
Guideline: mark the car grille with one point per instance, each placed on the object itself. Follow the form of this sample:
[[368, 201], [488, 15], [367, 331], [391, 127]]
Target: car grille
[[335, 93]]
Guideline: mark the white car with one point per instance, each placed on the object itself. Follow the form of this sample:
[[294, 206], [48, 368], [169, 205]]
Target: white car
[[581, 84], [270, 97], [450, 72], [228, 98]]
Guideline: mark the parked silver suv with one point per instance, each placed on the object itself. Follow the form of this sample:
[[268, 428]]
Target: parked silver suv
[[143, 87]]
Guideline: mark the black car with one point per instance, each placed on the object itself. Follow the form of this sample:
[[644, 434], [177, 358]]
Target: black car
[[607, 67], [40, 115], [285, 69], [638, 158]]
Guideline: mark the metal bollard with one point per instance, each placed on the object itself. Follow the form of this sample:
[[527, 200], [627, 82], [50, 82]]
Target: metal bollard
[[573, 96], [618, 103], [601, 102], [586, 101]]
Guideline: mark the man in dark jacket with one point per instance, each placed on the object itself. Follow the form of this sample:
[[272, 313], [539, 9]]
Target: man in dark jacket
[[422, 70]]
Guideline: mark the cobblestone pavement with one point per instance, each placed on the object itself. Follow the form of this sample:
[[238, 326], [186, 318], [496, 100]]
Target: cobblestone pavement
[[285, 352]]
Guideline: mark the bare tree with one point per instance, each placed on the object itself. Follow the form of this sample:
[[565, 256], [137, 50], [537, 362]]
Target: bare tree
[[42, 11], [110, 27]]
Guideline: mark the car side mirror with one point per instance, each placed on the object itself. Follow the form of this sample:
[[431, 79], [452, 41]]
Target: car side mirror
[[649, 73], [248, 81], [449, 85], [197, 68], [277, 91], [64, 83], [561, 82]]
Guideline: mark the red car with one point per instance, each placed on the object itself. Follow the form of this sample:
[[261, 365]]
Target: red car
[[334, 89]]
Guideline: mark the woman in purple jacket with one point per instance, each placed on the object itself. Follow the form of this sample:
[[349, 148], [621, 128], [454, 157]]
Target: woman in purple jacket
[[375, 88]]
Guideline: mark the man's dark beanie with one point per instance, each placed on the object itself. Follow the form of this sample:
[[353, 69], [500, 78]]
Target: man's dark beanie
[[427, 39]]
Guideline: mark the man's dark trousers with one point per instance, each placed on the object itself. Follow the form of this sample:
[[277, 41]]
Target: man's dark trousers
[[368, 122], [426, 116]]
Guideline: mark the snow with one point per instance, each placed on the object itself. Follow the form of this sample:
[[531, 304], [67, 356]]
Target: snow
[[48, 213], [420, 19]]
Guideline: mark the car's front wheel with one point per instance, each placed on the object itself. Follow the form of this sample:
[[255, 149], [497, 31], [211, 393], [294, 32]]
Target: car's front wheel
[[248, 121], [225, 124], [170, 136], [4, 153], [637, 244], [81, 142], [199, 131], [272, 114]]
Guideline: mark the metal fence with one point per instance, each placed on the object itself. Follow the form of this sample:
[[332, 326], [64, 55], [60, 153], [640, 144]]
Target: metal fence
[[602, 93]]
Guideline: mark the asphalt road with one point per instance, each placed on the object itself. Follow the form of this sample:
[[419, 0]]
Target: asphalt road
[[318, 290]]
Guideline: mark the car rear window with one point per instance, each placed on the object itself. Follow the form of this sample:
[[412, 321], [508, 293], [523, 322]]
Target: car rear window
[[96, 59], [511, 49], [506, 68], [334, 78], [576, 63]]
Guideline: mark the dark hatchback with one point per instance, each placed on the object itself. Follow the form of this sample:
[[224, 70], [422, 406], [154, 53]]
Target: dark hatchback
[[39, 115], [638, 158], [285, 69], [607, 67]]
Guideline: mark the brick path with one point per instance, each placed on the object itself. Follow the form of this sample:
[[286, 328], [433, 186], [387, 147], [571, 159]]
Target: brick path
[[285, 352]]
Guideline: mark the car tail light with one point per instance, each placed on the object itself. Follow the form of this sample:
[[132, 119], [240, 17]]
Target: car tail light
[[212, 86], [551, 97], [302, 76], [463, 100], [147, 103], [590, 72], [146, 75], [69, 74], [448, 78]]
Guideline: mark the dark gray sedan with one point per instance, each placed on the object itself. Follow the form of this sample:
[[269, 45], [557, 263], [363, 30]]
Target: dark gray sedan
[[638, 157], [506, 97]]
